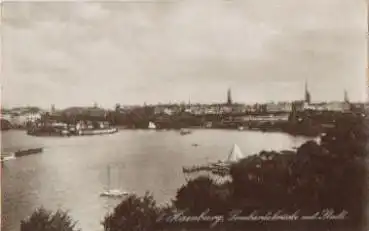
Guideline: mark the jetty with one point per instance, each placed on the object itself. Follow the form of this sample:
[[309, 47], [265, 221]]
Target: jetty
[[218, 171], [26, 152], [20, 153]]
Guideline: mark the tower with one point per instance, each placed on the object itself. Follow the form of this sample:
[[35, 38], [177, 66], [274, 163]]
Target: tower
[[346, 98], [52, 108], [229, 96], [117, 107], [307, 94]]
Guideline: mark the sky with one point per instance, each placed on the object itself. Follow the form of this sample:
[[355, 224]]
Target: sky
[[79, 53]]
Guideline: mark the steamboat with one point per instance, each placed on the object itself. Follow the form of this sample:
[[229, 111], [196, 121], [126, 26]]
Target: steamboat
[[81, 128]]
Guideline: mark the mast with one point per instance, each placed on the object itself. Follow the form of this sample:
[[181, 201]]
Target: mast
[[108, 177]]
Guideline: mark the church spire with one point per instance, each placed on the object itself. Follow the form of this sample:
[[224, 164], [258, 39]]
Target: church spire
[[229, 96], [307, 93], [346, 98]]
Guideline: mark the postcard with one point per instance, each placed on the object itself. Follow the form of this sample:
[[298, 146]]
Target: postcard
[[166, 115]]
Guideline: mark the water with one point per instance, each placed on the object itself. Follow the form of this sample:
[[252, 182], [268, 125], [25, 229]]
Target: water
[[72, 172]]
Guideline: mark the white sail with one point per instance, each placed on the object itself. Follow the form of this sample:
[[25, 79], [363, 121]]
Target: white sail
[[151, 125], [235, 154]]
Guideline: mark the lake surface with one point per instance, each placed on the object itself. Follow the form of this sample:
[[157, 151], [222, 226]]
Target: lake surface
[[72, 172]]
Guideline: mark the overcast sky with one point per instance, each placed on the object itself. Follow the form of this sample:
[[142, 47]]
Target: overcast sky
[[130, 53]]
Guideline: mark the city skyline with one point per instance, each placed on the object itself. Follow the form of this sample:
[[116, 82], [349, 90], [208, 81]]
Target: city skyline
[[130, 53], [227, 102]]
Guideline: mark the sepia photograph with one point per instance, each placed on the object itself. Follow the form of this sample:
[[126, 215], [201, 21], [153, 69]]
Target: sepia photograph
[[184, 115]]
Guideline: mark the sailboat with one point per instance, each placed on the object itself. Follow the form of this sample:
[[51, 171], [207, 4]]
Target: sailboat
[[112, 192], [185, 131], [234, 156], [151, 125], [220, 171]]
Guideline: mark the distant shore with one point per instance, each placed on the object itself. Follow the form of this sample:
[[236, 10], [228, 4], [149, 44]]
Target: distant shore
[[293, 132]]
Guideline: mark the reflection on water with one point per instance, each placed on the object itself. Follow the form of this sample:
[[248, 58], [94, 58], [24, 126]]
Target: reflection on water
[[71, 172]]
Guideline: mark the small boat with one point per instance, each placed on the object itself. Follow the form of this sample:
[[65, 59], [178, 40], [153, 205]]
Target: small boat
[[97, 131], [151, 125], [28, 152], [185, 132], [112, 193], [65, 133], [195, 145], [6, 157], [241, 128]]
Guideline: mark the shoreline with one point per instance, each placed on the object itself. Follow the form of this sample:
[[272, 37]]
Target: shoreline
[[120, 127]]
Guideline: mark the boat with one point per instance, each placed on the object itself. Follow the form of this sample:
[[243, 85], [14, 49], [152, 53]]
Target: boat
[[240, 128], [27, 152], [47, 131], [112, 193], [235, 154], [151, 125], [65, 133], [6, 157], [222, 165], [185, 132], [104, 131], [67, 130]]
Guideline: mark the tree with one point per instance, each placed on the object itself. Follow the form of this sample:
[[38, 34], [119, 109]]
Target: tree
[[133, 214], [259, 179], [202, 194], [44, 220]]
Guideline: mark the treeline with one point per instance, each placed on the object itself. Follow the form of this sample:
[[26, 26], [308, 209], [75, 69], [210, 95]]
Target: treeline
[[317, 176]]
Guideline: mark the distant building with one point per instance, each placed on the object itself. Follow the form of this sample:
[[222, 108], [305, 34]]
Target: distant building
[[168, 111], [240, 108], [5, 116], [279, 107], [298, 106], [338, 106], [86, 111], [23, 119], [52, 110], [225, 109], [265, 118], [330, 106], [357, 107]]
